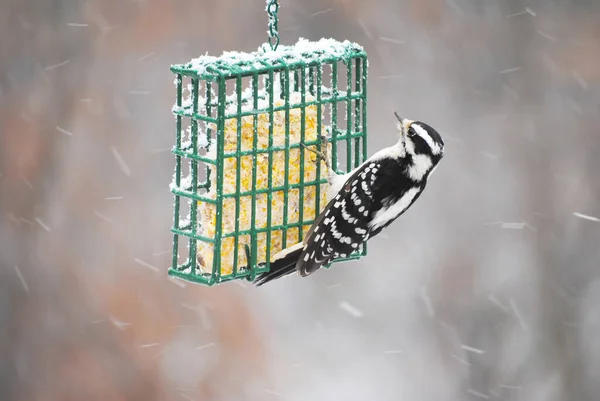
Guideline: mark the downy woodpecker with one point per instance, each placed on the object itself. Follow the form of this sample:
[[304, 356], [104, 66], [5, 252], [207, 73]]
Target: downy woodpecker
[[364, 201]]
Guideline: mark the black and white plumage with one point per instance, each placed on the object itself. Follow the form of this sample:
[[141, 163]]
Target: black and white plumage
[[364, 201]]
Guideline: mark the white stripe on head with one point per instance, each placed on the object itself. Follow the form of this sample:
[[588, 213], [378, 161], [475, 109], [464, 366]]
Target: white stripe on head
[[422, 132]]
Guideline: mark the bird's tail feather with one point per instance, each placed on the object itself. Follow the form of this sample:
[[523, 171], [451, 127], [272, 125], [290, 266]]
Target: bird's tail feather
[[283, 263]]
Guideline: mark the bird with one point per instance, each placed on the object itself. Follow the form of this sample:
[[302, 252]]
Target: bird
[[364, 201]]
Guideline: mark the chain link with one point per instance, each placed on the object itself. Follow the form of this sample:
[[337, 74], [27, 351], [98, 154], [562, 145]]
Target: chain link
[[272, 9]]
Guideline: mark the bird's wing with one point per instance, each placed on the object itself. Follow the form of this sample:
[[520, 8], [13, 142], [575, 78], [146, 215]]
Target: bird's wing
[[343, 225]]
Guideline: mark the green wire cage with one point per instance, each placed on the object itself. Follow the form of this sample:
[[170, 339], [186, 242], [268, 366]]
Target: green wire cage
[[246, 184]]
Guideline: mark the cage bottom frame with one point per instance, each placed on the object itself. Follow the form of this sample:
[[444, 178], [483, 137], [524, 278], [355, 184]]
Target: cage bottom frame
[[213, 278]]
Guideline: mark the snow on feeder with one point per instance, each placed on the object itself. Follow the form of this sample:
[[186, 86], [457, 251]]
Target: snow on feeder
[[246, 184]]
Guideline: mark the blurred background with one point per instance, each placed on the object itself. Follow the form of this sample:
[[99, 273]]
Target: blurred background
[[488, 288]]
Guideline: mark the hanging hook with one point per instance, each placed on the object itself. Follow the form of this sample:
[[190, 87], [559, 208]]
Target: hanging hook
[[272, 9]]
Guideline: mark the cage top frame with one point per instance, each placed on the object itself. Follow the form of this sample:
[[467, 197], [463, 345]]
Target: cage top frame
[[304, 53]]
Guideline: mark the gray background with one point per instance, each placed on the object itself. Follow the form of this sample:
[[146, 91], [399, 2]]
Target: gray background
[[486, 289]]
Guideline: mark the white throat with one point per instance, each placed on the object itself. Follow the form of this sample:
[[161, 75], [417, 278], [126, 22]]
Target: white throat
[[420, 167]]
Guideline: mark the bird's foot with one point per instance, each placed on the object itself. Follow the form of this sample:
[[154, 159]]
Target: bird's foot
[[323, 154]]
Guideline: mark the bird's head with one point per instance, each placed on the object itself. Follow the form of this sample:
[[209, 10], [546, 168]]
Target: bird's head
[[419, 138]]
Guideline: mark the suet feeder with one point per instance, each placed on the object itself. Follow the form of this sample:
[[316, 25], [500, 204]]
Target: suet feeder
[[245, 184]]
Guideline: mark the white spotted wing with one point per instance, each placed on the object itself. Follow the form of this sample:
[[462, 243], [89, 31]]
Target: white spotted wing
[[344, 223]]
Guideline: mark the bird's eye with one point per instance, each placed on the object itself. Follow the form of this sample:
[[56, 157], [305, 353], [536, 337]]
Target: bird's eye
[[411, 133]]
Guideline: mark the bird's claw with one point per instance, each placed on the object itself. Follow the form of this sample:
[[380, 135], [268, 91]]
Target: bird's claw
[[321, 155]]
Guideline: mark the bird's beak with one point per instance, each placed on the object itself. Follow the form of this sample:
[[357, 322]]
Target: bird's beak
[[403, 125], [400, 125], [398, 117]]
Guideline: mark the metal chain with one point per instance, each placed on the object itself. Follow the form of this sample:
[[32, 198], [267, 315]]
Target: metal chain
[[272, 9]]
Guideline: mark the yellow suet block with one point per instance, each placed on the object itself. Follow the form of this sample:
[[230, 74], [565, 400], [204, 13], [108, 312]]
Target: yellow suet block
[[207, 212]]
